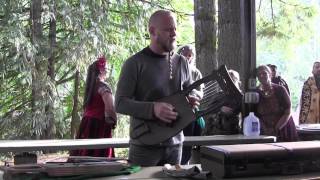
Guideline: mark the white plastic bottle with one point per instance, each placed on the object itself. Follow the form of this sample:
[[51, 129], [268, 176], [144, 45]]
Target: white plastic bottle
[[251, 125]]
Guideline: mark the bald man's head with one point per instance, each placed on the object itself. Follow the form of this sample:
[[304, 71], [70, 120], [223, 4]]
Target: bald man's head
[[162, 30], [156, 17]]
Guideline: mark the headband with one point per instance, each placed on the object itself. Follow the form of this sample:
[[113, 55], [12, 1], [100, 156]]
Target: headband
[[101, 63]]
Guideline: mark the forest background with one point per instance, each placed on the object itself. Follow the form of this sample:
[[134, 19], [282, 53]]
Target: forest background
[[46, 46]]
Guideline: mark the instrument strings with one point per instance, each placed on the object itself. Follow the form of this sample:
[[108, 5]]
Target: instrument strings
[[210, 85], [212, 94]]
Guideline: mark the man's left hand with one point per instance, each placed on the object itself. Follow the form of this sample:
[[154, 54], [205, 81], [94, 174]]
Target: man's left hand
[[193, 101]]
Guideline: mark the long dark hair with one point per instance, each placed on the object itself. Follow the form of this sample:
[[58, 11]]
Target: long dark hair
[[91, 83]]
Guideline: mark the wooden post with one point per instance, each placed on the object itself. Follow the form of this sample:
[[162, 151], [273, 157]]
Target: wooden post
[[248, 39]]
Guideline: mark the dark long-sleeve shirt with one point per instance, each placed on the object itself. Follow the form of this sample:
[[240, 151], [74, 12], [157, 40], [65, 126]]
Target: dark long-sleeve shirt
[[145, 78]]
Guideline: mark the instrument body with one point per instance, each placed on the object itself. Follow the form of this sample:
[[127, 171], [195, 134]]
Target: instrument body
[[154, 132]]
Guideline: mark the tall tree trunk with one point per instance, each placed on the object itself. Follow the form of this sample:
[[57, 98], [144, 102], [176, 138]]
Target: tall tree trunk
[[236, 37], [49, 132], [75, 119], [229, 35], [39, 69], [205, 35]]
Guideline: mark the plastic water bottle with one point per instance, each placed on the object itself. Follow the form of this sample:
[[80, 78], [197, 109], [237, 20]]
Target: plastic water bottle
[[251, 125]]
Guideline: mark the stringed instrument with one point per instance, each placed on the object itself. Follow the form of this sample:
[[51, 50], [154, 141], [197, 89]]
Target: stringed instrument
[[218, 87]]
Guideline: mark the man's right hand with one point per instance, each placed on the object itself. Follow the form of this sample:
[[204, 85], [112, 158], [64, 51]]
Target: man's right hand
[[165, 112]]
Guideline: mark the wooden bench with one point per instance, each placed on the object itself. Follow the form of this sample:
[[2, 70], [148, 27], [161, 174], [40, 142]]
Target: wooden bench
[[71, 144]]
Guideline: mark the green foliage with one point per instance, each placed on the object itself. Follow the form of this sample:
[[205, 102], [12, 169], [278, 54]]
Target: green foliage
[[118, 28], [284, 24], [84, 30], [285, 37], [185, 18]]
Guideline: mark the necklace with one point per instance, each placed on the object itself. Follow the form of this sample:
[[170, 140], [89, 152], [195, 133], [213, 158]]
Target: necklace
[[170, 66], [267, 92]]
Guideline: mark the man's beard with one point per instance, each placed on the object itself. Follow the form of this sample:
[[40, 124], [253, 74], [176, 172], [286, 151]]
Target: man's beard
[[317, 79], [167, 46]]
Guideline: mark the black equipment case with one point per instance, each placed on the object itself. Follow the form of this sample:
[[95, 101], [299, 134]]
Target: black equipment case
[[261, 159]]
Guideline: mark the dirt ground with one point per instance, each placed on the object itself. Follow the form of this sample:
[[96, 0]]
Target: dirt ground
[[41, 158]]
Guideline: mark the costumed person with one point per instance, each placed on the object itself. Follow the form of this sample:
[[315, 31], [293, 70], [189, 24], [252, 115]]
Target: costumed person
[[277, 79], [310, 98], [227, 121], [149, 75], [99, 116], [274, 108], [194, 128]]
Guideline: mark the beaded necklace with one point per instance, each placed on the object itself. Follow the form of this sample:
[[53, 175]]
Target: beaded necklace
[[267, 92], [170, 66]]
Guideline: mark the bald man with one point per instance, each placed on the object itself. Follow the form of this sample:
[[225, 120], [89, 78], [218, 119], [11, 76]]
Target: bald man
[[153, 73]]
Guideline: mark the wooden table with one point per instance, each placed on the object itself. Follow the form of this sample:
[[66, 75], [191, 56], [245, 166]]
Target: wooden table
[[226, 139], [309, 132], [71, 144], [156, 173]]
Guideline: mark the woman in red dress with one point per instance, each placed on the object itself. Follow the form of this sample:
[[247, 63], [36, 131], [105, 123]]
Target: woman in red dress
[[99, 115], [274, 108]]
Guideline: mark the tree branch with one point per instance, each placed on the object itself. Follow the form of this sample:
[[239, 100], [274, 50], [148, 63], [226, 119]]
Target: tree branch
[[66, 74], [9, 101], [61, 81], [16, 108], [295, 5], [259, 7], [162, 7], [272, 15]]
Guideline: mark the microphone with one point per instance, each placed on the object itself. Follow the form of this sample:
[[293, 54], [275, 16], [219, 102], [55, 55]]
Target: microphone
[[251, 97]]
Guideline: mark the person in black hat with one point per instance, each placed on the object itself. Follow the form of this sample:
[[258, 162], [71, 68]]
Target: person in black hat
[[276, 79]]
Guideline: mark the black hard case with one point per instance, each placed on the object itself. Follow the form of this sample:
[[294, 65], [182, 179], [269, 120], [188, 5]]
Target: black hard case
[[261, 159]]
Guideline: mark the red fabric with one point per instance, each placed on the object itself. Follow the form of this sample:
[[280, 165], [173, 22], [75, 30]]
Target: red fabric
[[96, 108], [91, 128]]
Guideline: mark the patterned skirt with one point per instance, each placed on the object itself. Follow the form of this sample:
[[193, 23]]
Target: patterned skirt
[[92, 128]]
